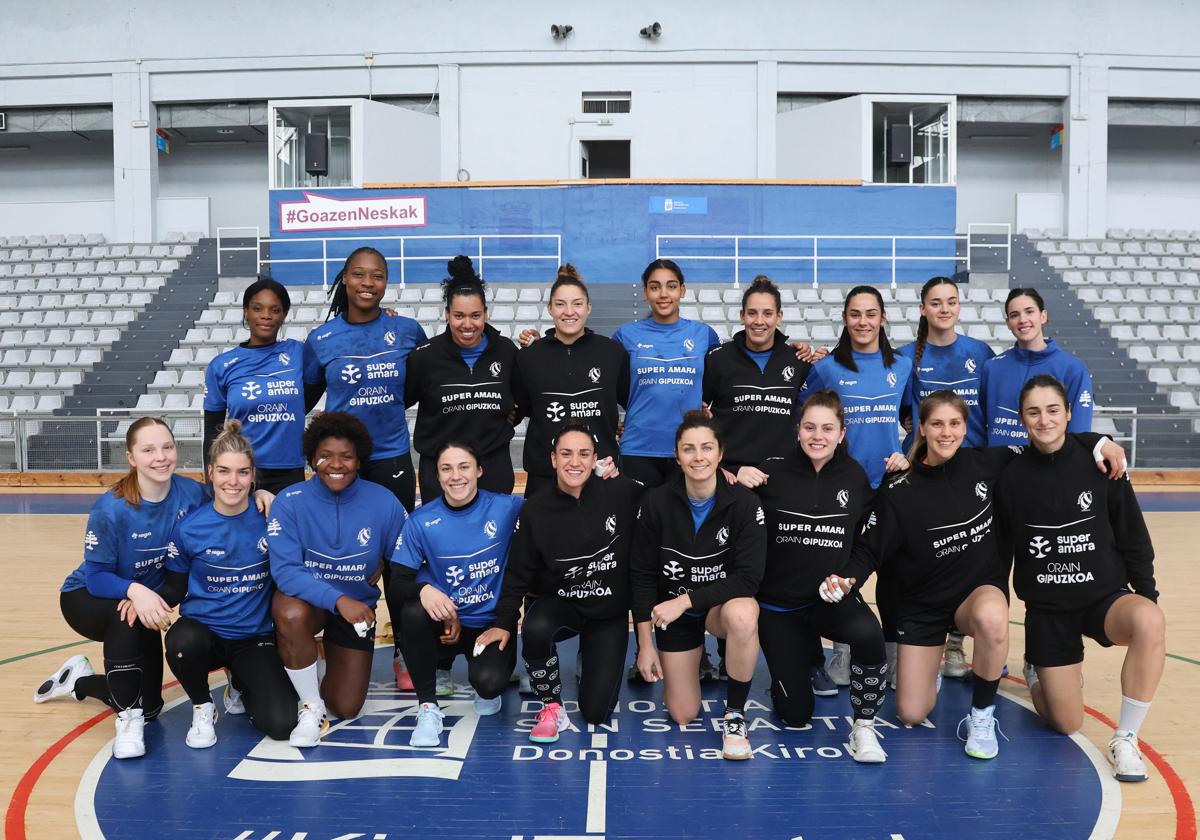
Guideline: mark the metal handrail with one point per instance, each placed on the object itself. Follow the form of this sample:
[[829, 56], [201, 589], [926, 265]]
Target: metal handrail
[[226, 249]]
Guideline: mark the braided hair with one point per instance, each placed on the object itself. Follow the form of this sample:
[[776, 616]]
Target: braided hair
[[339, 302]]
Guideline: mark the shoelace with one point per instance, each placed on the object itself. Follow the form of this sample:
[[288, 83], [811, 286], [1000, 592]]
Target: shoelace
[[735, 727], [979, 724], [548, 714]]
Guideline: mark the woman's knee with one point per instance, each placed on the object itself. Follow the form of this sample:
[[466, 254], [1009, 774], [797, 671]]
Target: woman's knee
[[1150, 626], [912, 712], [276, 719], [185, 639], [991, 625], [740, 617], [793, 711], [290, 614], [490, 680]]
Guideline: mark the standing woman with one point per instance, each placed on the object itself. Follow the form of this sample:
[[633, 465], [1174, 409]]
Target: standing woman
[[944, 359], [112, 597], [573, 540], [464, 380], [260, 383], [666, 358], [357, 360], [817, 499], [449, 568], [573, 373], [871, 380], [217, 567], [329, 538], [1084, 566], [697, 563], [1032, 355]]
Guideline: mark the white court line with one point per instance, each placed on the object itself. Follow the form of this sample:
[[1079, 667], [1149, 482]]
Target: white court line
[[597, 797]]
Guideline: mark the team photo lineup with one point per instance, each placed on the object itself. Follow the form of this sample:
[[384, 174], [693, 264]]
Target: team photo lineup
[[674, 486]]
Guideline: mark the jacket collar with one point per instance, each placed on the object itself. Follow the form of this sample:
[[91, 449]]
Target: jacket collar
[[318, 488], [1048, 458], [1035, 356]]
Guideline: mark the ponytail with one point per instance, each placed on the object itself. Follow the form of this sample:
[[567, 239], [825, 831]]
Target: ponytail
[[127, 488], [923, 324], [569, 276], [339, 302], [843, 354]]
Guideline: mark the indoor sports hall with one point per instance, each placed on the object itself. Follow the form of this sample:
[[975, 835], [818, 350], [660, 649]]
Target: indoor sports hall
[[155, 162]]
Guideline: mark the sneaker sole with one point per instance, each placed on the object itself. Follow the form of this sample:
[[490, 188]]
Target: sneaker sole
[[56, 687], [867, 758], [1127, 778], [130, 755], [413, 742], [735, 756], [982, 756], [324, 729], [211, 743], [544, 739], [826, 692]]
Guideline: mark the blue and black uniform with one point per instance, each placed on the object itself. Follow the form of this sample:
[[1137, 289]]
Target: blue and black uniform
[[362, 370], [956, 367], [1005, 376], [463, 552], [666, 369], [124, 544], [218, 566], [263, 387], [324, 545]]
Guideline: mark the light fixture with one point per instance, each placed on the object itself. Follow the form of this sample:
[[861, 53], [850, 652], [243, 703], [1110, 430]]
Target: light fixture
[[559, 31], [999, 137], [651, 31], [201, 143]]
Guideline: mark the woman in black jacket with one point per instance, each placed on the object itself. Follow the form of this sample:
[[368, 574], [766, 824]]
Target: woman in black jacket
[[1084, 566], [697, 562]]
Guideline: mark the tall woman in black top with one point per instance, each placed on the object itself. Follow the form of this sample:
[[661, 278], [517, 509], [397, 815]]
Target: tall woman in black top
[[1080, 546], [463, 380]]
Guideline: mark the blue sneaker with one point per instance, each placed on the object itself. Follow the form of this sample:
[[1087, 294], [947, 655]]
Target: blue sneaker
[[428, 731], [822, 685], [981, 733], [483, 708]]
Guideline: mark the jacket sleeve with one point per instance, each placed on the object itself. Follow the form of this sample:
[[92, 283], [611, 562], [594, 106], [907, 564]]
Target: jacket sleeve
[[749, 560], [287, 560], [644, 561], [623, 380], [877, 544], [100, 559], [516, 386], [710, 384], [402, 585], [174, 588], [1082, 396], [413, 379], [518, 573], [1133, 538]]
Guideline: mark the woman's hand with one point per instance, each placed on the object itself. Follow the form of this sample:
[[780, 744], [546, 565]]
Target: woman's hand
[[607, 467], [527, 336], [834, 588], [895, 463], [355, 612], [492, 634], [263, 499], [663, 614], [437, 603], [1114, 454], [148, 607], [751, 477], [648, 665], [805, 352], [451, 629]]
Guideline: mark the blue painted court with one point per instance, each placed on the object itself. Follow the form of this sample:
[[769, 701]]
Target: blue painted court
[[641, 776]]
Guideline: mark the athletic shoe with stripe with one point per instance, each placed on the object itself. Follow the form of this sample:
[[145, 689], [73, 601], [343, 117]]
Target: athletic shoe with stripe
[[981, 733], [203, 732], [130, 741], [445, 684], [839, 664], [428, 731], [310, 726], [62, 682], [232, 700], [822, 685], [735, 745], [1126, 758], [551, 720], [864, 743]]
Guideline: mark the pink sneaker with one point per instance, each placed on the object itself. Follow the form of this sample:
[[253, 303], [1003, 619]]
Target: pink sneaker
[[735, 746], [551, 720], [403, 678]]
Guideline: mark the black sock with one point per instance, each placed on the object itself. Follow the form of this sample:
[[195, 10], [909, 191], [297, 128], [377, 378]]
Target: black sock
[[736, 694], [866, 688], [95, 686], [545, 679], [983, 692]]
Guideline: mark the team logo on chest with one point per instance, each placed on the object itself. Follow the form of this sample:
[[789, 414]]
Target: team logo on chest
[[981, 491], [285, 359], [351, 374], [262, 545], [494, 369], [594, 375], [891, 378], [843, 498], [672, 570], [969, 364], [364, 536], [389, 338], [723, 535], [1039, 547], [555, 411], [788, 373], [1085, 501], [251, 390], [610, 524], [454, 575], [689, 345], [489, 529]]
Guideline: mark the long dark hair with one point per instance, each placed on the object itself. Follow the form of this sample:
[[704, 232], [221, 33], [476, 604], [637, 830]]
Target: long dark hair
[[669, 265], [1030, 293], [923, 324], [762, 285], [339, 302], [843, 352]]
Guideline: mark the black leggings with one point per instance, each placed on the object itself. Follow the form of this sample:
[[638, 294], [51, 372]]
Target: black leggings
[[602, 644], [497, 474], [488, 673], [786, 639], [396, 474], [649, 470], [274, 481], [887, 599], [133, 660], [193, 650]]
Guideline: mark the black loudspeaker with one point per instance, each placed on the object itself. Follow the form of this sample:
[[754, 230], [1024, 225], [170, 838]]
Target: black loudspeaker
[[316, 154], [900, 143]]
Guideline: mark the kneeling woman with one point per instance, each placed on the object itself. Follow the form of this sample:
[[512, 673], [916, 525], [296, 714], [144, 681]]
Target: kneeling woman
[[816, 500], [1049, 498], [573, 540], [448, 572], [329, 538], [697, 563], [217, 566]]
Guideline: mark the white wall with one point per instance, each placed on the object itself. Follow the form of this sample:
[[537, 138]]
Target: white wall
[[57, 170], [1153, 177], [233, 178], [992, 172], [823, 141]]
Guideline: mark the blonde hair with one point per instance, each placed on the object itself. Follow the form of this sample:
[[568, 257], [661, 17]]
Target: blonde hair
[[127, 488], [931, 402], [230, 440]]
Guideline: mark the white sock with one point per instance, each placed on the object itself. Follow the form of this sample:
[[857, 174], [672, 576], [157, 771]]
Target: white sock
[[307, 685], [1133, 713]]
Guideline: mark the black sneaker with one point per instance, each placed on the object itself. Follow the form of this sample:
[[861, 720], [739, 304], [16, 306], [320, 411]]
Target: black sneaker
[[822, 685]]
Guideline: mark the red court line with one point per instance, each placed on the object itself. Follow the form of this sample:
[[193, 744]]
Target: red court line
[[1185, 813]]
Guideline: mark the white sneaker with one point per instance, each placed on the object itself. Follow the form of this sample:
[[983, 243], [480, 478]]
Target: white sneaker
[[981, 733], [735, 745], [203, 733], [445, 684], [839, 664], [892, 661], [310, 726], [1126, 758], [428, 730], [954, 660], [62, 682], [233, 700], [864, 743], [130, 742], [1030, 673], [485, 708]]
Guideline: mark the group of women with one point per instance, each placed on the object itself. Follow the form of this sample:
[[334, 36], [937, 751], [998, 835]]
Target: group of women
[[745, 493]]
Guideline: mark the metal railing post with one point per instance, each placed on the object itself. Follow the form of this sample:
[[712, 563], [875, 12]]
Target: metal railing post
[[99, 448], [402, 241], [737, 265], [479, 255], [258, 250], [325, 264], [815, 260], [893, 262]]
